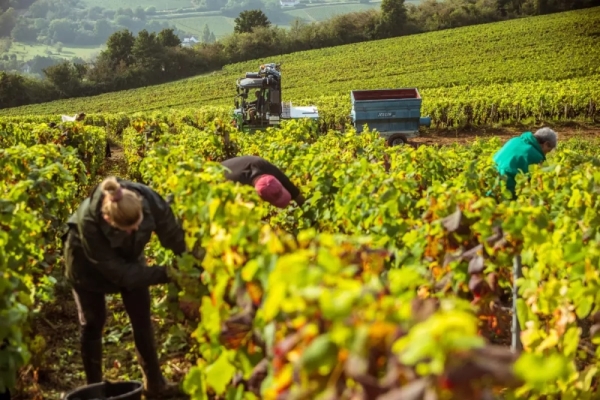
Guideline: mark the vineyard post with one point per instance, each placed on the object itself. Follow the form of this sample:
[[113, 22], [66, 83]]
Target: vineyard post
[[516, 328]]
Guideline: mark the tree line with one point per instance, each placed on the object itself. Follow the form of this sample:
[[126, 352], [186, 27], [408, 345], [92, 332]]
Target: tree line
[[131, 61]]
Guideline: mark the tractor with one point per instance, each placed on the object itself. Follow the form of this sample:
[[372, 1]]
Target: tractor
[[258, 101]]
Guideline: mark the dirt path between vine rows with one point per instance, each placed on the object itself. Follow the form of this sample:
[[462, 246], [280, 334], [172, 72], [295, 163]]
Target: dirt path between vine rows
[[448, 137]]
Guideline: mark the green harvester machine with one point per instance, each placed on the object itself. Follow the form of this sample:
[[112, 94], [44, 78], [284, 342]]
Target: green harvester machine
[[258, 101]]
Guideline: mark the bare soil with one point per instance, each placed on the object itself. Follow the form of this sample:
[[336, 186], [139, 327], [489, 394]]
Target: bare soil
[[59, 369], [448, 137]]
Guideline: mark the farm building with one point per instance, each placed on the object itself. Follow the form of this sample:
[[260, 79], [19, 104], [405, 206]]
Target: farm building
[[288, 3], [189, 42]]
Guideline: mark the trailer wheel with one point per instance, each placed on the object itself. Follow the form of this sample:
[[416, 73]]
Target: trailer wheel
[[397, 139]]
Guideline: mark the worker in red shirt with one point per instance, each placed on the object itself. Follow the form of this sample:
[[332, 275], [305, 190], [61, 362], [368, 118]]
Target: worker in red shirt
[[270, 182]]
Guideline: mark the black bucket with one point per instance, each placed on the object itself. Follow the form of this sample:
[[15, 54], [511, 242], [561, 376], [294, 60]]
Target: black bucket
[[129, 390]]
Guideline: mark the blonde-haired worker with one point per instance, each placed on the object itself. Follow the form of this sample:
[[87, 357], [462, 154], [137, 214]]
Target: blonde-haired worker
[[104, 253]]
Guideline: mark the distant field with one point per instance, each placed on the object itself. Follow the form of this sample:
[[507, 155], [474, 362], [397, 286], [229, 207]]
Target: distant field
[[159, 4], [28, 51], [319, 13], [511, 64], [219, 25], [222, 26]]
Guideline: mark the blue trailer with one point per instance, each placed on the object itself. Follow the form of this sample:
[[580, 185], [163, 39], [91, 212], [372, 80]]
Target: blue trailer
[[394, 113]]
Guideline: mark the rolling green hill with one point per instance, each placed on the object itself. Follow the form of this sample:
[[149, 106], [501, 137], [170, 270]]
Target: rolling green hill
[[183, 14], [162, 5], [221, 25], [159, 4], [218, 24], [320, 13], [518, 67]]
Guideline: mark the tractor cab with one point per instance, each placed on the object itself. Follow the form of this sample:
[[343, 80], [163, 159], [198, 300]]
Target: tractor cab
[[258, 98], [258, 101]]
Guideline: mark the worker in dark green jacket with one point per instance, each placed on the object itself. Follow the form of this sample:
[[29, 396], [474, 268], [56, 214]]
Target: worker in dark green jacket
[[104, 253], [522, 151]]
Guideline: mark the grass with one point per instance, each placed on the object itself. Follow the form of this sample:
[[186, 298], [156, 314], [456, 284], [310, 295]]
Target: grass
[[159, 4], [320, 13], [26, 51], [222, 26], [219, 25]]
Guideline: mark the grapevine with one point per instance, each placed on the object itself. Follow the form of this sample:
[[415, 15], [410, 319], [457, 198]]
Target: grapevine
[[395, 277]]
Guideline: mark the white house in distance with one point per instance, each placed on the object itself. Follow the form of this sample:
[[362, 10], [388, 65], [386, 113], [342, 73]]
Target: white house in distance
[[189, 42], [288, 3]]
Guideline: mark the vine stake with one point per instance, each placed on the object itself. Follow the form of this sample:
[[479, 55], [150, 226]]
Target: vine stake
[[516, 344]]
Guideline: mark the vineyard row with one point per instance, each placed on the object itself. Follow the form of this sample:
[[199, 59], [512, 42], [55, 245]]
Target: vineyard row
[[391, 271], [527, 103]]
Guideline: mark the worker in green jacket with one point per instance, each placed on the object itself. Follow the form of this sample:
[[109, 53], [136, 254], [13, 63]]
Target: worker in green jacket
[[104, 253], [522, 151]]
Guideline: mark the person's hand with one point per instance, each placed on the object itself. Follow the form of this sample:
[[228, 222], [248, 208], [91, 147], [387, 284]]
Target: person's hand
[[178, 277], [173, 273], [198, 252], [300, 200]]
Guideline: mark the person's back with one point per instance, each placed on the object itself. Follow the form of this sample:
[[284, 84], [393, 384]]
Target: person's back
[[270, 182], [522, 151]]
